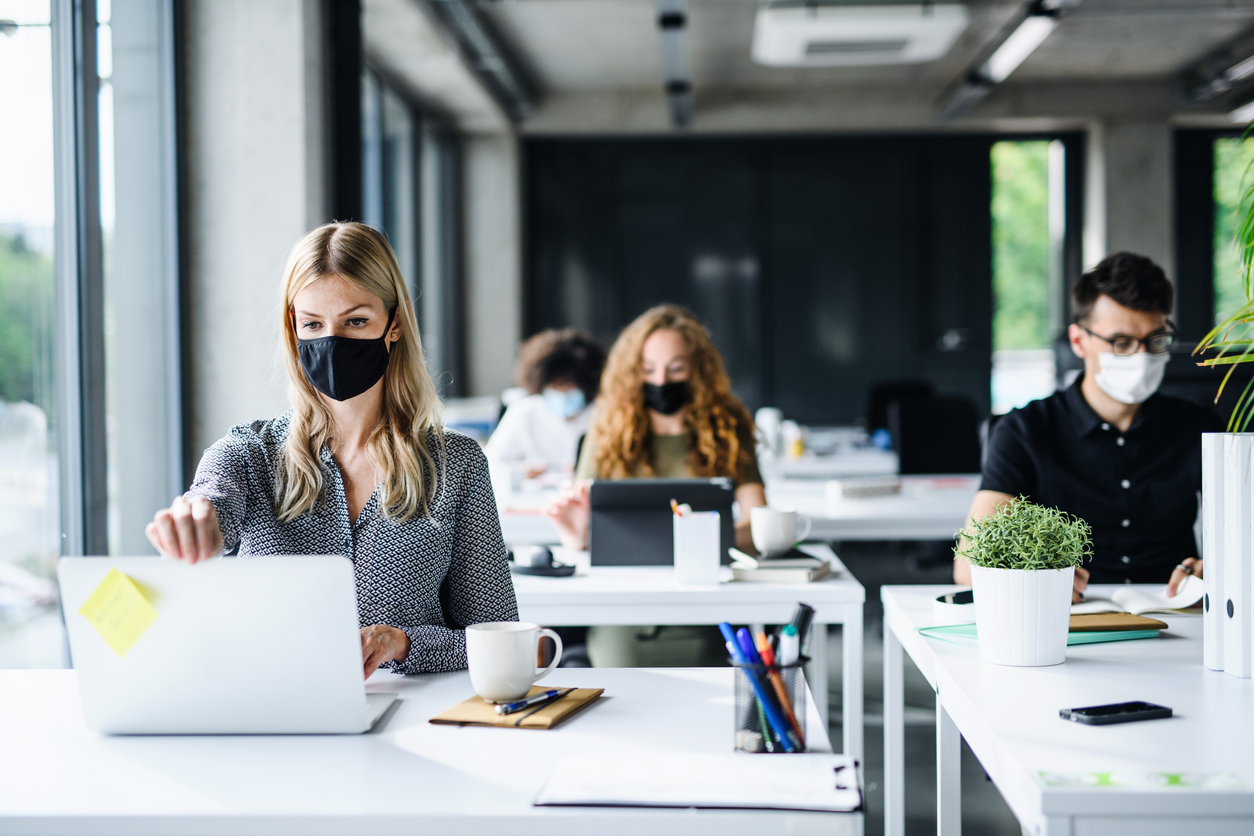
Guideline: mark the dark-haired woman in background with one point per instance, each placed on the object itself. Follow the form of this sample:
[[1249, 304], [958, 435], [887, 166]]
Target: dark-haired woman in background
[[561, 371]]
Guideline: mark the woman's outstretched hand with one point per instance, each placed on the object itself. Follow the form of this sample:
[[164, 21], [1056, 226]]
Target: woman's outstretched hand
[[382, 643], [1179, 575], [187, 530], [570, 513]]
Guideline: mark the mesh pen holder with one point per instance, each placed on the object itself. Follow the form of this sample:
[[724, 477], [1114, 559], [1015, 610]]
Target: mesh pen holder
[[754, 729]]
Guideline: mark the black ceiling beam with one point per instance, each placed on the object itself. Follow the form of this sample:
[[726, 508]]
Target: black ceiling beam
[[489, 57]]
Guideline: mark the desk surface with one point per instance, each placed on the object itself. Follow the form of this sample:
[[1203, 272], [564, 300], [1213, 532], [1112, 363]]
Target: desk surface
[[1009, 717], [407, 776], [928, 508], [652, 595]]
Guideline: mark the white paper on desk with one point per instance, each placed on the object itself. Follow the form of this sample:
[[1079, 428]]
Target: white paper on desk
[[1139, 601], [674, 779]]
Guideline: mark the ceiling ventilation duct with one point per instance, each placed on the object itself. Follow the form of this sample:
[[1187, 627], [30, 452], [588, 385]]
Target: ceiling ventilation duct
[[815, 35]]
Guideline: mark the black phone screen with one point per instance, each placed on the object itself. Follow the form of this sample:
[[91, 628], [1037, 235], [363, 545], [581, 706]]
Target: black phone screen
[[1137, 707], [1123, 712]]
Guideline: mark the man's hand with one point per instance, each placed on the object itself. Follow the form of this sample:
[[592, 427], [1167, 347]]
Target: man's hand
[[1179, 575], [1080, 584], [381, 643], [187, 530]]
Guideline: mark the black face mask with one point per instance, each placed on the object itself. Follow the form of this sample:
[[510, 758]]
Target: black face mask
[[668, 398], [342, 367]]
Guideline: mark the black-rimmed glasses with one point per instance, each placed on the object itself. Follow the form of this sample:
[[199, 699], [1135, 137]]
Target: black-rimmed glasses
[[1123, 345]]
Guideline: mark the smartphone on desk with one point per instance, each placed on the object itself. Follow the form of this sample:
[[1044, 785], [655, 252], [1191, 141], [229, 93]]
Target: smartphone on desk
[[1121, 712]]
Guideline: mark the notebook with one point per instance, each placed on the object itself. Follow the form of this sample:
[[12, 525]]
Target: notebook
[[770, 574], [476, 712], [1141, 601], [966, 636], [822, 782]]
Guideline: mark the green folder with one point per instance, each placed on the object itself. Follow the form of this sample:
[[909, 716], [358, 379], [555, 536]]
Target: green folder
[[965, 635]]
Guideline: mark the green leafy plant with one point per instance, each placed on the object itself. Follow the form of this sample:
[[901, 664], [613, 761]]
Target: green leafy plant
[[1024, 535], [1233, 339]]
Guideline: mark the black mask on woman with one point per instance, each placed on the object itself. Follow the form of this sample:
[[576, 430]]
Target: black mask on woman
[[668, 398], [342, 367]]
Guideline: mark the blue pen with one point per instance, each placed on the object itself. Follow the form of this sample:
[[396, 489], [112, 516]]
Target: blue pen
[[773, 718], [519, 705]]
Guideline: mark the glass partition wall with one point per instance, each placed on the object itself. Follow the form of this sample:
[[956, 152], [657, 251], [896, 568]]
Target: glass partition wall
[[90, 423]]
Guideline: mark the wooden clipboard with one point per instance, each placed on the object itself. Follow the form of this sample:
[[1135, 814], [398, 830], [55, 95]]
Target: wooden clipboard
[[476, 712]]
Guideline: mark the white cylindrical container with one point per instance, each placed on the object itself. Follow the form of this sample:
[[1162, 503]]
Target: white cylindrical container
[[1212, 547], [1022, 616], [697, 547]]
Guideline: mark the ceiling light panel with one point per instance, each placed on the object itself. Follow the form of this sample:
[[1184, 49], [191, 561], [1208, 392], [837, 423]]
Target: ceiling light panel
[[835, 36]]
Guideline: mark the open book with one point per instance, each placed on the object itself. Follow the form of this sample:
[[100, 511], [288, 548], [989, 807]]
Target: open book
[[1140, 601]]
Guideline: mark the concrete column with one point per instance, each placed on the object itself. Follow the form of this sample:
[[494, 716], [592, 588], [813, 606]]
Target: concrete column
[[255, 185], [1129, 200], [493, 261]]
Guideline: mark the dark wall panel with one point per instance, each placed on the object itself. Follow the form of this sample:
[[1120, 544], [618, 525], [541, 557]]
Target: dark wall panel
[[820, 265]]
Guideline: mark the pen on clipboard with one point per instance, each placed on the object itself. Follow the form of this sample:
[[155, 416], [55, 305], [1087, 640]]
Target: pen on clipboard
[[534, 699]]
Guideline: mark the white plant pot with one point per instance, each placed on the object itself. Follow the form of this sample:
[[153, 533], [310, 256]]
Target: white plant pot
[[1022, 616]]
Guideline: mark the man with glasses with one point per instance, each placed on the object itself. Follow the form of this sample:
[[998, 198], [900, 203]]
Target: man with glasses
[[1108, 449]]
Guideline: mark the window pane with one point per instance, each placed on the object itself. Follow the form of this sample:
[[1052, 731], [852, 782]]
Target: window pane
[[30, 623], [1233, 158], [400, 193], [1023, 361]]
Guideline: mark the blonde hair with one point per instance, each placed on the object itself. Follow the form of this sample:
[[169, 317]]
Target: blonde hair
[[410, 413], [720, 431]]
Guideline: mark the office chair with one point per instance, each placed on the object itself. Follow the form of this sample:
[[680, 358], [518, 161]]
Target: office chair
[[884, 393], [935, 435]]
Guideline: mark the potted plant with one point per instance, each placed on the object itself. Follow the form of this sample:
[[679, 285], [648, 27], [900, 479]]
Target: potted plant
[[1023, 559]]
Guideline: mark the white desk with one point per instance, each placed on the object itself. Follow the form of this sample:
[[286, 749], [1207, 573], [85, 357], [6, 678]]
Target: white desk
[[1009, 717], [406, 777], [615, 595], [926, 509]]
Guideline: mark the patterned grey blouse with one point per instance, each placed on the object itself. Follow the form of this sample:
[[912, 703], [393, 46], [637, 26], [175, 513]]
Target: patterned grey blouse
[[430, 576]]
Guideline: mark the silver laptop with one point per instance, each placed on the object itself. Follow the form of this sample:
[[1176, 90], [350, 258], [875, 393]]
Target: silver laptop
[[237, 646]]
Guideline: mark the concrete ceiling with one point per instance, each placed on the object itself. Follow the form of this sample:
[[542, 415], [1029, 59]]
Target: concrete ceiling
[[606, 53]]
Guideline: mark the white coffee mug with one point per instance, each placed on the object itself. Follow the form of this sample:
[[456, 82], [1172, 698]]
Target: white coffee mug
[[775, 529], [502, 658]]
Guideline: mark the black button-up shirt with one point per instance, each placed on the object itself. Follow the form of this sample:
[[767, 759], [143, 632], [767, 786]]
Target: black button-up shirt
[[1138, 490]]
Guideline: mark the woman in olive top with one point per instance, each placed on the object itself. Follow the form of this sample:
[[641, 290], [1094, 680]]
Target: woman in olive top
[[665, 410]]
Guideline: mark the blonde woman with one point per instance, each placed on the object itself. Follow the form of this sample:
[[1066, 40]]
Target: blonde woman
[[359, 466], [666, 410]]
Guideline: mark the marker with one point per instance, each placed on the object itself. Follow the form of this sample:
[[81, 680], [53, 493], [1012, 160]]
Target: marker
[[802, 619], [675, 509], [534, 699], [789, 645]]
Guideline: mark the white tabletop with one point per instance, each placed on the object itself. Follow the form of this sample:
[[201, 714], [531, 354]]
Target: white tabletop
[[406, 777], [1009, 717], [653, 595], [927, 508]]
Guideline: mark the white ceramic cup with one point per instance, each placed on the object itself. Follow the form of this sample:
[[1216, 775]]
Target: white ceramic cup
[[502, 658], [775, 529]]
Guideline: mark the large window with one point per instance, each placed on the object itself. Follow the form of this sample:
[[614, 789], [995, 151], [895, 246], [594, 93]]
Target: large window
[[29, 508], [1028, 230], [1233, 174]]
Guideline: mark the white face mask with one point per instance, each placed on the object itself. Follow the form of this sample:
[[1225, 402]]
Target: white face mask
[[1130, 378]]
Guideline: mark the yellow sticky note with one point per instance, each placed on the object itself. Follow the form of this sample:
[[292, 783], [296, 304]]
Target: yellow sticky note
[[119, 612]]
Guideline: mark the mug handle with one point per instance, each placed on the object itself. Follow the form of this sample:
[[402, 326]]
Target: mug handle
[[809, 525], [557, 653]]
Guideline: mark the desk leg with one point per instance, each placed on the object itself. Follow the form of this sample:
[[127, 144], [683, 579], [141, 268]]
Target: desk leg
[[948, 774], [816, 674], [851, 683], [894, 736]]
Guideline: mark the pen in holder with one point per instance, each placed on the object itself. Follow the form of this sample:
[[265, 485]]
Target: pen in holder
[[779, 724]]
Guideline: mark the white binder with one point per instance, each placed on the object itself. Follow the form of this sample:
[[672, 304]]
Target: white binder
[[1212, 550], [1238, 519]]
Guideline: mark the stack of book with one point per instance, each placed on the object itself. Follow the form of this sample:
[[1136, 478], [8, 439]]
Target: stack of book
[[793, 566]]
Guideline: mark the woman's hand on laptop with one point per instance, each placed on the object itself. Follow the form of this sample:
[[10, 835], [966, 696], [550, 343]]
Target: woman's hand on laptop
[[187, 530], [381, 643]]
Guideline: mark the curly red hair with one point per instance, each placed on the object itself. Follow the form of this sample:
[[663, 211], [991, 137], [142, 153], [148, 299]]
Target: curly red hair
[[721, 433]]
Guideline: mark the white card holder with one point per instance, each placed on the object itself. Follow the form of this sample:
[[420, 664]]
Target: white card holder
[[1238, 527], [1212, 548]]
